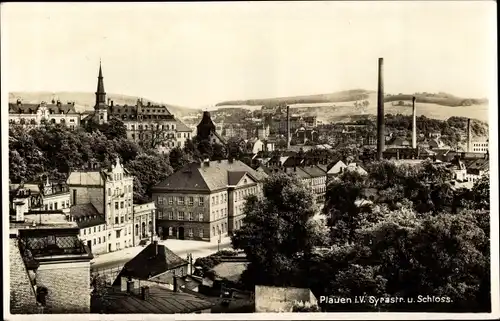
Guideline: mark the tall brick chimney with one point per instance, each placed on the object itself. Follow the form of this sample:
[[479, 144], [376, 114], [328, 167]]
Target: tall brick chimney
[[469, 136], [414, 126], [380, 111], [287, 127]]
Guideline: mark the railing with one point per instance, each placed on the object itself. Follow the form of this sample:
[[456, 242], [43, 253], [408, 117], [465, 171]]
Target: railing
[[109, 274]]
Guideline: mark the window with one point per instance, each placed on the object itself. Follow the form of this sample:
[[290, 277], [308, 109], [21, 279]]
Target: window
[[181, 216], [180, 200], [116, 219], [201, 232], [170, 215], [213, 199], [170, 200], [201, 201], [99, 240], [190, 232], [94, 229], [104, 239], [50, 206], [109, 191], [160, 200], [95, 241], [213, 230], [217, 199], [191, 200], [200, 217], [121, 204], [118, 234], [84, 231], [191, 216], [122, 219], [116, 205]]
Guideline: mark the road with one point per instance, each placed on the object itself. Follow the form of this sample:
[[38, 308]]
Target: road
[[204, 250]]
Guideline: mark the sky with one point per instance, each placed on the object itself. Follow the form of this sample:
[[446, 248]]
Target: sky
[[198, 54]]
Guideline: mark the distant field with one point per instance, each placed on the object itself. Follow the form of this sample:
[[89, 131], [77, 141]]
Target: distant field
[[247, 107], [340, 96], [339, 111]]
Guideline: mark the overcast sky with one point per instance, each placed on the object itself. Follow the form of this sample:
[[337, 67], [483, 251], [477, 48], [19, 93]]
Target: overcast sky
[[197, 54]]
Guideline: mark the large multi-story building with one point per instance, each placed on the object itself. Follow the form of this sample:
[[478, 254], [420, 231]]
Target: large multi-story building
[[151, 124], [203, 201], [110, 192], [34, 114]]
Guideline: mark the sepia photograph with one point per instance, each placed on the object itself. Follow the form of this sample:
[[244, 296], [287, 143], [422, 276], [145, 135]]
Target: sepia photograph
[[255, 160]]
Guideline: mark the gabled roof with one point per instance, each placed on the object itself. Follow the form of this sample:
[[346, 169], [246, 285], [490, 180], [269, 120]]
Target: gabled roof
[[148, 264], [86, 215], [478, 164], [211, 177], [181, 127], [293, 161], [234, 178], [314, 171]]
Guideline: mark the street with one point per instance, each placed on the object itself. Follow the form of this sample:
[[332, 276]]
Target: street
[[179, 247]]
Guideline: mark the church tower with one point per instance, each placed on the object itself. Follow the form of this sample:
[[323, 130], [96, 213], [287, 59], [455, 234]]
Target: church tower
[[101, 107]]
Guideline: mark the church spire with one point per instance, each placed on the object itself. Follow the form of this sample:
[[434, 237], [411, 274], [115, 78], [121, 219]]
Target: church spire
[[100, 95]]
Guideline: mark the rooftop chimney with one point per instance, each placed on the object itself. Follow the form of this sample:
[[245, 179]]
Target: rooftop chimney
[[176, 284], [145, 292], [123, 284], [380, 111], [414, 126], [469, 136], [287, 127]]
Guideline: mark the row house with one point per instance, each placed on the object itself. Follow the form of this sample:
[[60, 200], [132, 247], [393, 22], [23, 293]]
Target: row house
[[28, 114], [110, 192], [203, 201]]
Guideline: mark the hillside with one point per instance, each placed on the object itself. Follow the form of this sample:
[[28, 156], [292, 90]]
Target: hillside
[[341, 96], [85, 101], [443, 99]]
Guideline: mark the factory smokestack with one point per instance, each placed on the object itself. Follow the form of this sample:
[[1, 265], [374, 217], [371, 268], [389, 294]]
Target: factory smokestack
[[287, 127], [380, 110], [469, 136], [414, 126]]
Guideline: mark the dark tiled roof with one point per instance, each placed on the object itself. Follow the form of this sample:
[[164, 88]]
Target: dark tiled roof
[[15, 108], [181, 127], [234, 178], [147, 264], [300, 173], [201, 177], [478, 164], [314, 171], [160, 301], [293, 161], [86, 215]]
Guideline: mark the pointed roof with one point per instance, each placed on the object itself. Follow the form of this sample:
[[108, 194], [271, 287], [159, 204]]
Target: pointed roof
[[100, 82], [148, 264]]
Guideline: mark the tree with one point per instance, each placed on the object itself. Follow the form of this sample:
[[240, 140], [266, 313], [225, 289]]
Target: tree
[[178, 158], [218, 152], [154, 134], [481, 193], [114, 129], [341, 206], [205, 148], [17, 167], [276, 235], [149, 169]]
